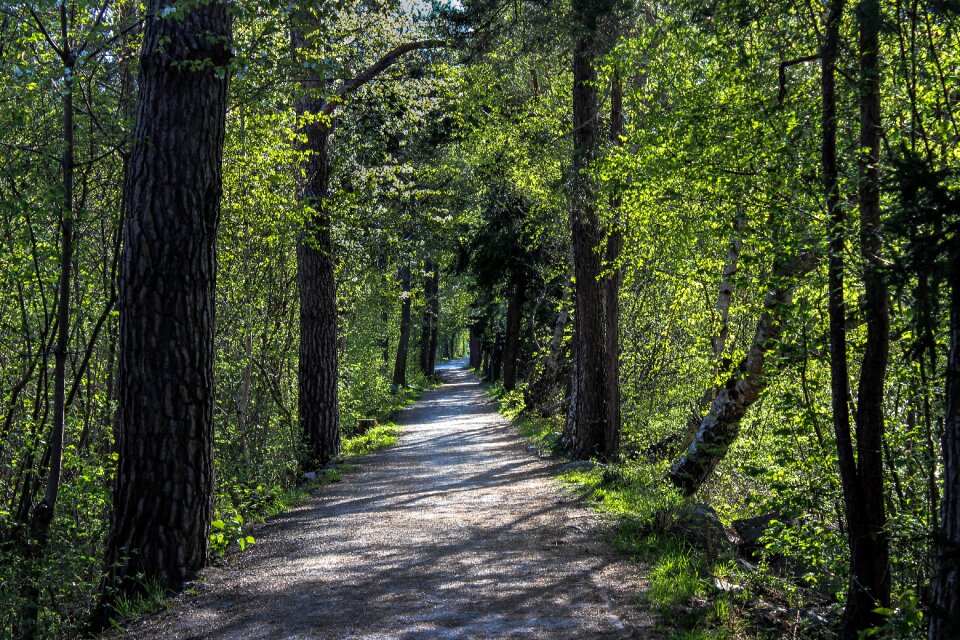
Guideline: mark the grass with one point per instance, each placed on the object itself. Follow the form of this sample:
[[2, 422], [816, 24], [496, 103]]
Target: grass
[[378, 437], [153, 598]]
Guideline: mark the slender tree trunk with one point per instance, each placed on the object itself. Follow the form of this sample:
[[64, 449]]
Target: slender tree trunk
[[319, 356], [382, 264], [612, 286], [869, 548], [319, 410], [434, 321], [511, 350], [403, 344], [426, 329], [43, 512], [720, 427], [163, 496], [587, 433], [945, 610]]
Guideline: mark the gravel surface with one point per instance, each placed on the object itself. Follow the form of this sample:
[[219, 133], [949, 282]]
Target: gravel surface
[[457, 532]]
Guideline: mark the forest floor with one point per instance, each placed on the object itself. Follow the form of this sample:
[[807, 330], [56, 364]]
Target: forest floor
[[457, 532]]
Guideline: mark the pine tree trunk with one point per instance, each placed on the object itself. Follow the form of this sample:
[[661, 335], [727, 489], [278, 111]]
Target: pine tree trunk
[[318, 367], [163, 494], [403, 344], [587, 433], [511, 350]]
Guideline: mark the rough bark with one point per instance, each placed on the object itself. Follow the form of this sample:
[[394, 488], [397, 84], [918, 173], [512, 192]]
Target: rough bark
[[319, 409], [720, 427], [319, 352], [511, 348], [163, 493], [945, 610], [586, 433], [403, 344]]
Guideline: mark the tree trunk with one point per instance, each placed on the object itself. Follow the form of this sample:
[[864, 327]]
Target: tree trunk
[[720, 427], [945, 610], [511, 350], [319, 398], [434, 321], [476, 356], [869, 549], [426, 329], [403, 344], [43, 512], [163, 495], [587, 434], [612, 287]]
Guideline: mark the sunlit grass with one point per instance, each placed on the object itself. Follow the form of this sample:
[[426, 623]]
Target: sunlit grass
[[384, 435]]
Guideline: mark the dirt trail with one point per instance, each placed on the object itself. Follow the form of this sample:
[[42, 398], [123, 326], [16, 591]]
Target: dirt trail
[[457, 532]]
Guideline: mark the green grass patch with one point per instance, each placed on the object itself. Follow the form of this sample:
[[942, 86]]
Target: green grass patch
[[384, 435]]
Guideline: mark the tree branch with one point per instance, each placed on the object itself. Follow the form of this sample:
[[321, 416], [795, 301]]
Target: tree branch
[[782, 73], [381, 65]]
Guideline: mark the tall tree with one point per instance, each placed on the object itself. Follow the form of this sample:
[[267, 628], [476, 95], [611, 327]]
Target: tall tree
[[588, 431], [163, 493], [318, 359]]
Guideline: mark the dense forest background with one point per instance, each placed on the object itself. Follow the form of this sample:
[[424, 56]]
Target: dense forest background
[[710, 245]]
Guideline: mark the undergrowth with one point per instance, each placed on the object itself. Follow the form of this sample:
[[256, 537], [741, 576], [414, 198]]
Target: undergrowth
[[697, 598], [378, 437]]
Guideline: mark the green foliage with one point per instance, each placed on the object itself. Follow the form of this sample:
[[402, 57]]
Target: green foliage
[[378, 437], [152, 598], [227, 530]]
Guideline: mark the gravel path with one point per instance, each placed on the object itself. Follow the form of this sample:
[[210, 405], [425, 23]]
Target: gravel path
[[457, 532]]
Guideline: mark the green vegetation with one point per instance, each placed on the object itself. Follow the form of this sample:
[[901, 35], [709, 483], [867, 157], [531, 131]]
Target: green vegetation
[[380, 436], [712, 246]]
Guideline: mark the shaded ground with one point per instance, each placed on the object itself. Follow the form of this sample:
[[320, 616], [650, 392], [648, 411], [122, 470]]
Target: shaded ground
[[457, 532]]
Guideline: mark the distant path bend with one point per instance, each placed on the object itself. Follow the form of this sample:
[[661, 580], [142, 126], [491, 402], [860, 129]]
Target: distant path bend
[[457, 532]]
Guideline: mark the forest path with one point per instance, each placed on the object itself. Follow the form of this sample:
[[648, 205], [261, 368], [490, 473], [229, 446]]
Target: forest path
[[457, 532]]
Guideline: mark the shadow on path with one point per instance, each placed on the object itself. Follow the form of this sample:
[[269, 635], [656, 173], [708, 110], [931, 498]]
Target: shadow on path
[[457, 532]]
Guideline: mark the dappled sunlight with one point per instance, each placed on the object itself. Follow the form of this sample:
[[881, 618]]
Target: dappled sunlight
[[456, 532]]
